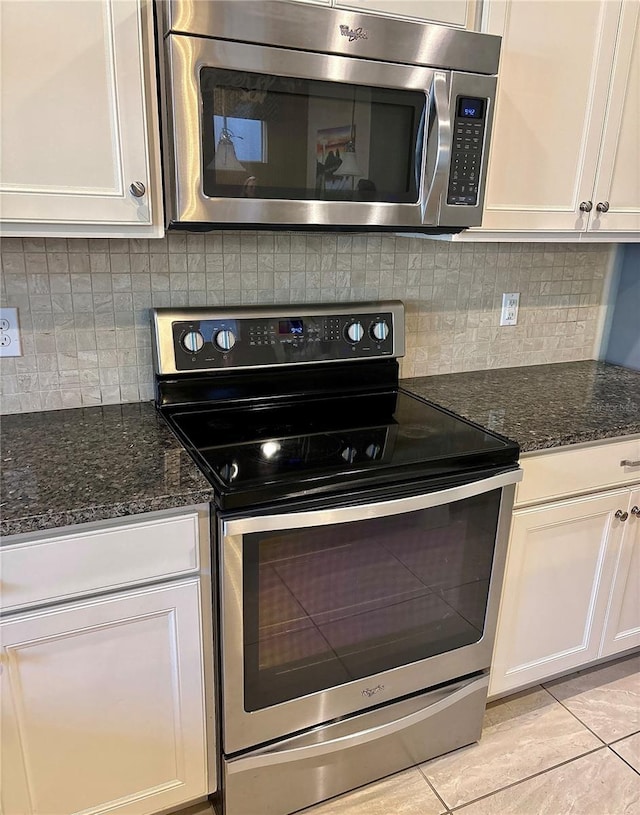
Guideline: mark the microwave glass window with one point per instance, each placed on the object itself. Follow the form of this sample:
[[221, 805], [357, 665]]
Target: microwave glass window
[[275, 137], [249, 137]]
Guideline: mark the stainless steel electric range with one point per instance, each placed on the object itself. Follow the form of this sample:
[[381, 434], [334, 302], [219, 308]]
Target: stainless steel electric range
[[359, 542]]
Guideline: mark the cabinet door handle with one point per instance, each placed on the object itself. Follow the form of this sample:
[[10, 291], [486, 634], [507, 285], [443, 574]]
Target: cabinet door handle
[[626, 462], [602, 206], [586, 206], [635, 511], [622, 516]]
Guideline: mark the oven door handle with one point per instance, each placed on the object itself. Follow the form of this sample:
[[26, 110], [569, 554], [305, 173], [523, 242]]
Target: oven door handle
[[367, 727], [378, 509]]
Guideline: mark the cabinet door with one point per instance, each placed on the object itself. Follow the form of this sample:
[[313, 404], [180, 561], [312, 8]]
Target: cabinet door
[[458, 13], [102, 705], [74, 120], [622, 628], [559, 569], [618, 180], [553, 83]]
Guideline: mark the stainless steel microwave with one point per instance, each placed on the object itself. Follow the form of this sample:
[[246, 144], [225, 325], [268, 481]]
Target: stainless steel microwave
[[282, 114]]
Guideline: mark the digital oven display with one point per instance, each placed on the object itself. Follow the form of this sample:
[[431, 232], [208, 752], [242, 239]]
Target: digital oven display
[[290, 327], [470, 108]]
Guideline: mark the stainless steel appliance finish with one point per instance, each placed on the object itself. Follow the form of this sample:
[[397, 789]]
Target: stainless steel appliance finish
[[360, 539], [242, 728], [171, 327], [273, 22], [352, 752], [255, 44]]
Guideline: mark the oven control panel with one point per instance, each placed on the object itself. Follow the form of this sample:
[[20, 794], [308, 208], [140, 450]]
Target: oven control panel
[[203, 339]]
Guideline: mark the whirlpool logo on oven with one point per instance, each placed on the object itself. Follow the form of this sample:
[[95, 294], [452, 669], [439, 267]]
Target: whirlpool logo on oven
[[372, 691], [353, 33]]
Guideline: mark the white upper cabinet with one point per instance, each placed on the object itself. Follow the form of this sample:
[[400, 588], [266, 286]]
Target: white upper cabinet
[[79, 118], [618, 179], [566, 121], [459, 13]]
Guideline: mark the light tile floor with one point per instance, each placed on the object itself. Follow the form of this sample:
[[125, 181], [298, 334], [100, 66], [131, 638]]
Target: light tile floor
[[568, 747]]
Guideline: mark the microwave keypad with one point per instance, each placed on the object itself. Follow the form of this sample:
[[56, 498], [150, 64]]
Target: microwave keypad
[[466, 158]]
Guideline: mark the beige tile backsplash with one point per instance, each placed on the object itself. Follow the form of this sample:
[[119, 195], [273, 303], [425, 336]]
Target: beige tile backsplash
[[84, 304]]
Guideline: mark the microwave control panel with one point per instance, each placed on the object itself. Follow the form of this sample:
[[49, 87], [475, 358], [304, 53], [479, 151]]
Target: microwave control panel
[[466, 153]]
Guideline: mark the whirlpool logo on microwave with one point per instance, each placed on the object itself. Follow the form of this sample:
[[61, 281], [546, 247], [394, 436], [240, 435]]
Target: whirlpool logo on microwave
[[353, 33]]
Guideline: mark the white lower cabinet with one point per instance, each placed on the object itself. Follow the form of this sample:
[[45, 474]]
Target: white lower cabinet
[[103, 705], [622, 628], [571, 590], [106, 686]]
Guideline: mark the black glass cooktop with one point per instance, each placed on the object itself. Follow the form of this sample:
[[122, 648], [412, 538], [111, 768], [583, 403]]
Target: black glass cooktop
[[299, 446]]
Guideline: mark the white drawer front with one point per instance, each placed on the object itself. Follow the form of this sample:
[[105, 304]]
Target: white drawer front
[[66, 566], [573, 471]]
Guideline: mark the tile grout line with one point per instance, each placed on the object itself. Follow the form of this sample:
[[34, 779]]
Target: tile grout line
[[603, 744], [622, 738], [528, 778], [436, 793], [622, 758], [575, 716]]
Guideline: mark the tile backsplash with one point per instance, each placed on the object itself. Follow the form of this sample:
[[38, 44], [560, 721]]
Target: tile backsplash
[[84, 304]]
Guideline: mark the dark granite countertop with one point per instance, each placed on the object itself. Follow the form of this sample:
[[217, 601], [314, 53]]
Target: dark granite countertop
[[542, 406], [67, 467]]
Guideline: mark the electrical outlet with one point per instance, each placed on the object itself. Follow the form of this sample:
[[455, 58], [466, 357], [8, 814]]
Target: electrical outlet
[[509, 313], [9, 333]]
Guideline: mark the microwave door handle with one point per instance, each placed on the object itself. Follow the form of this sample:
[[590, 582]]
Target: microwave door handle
[[432, 196]]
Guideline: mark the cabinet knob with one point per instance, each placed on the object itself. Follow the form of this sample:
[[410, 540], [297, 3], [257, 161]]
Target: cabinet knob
[[635, 511], [622, 516], [602, 206], [137, 189], [586, 206]]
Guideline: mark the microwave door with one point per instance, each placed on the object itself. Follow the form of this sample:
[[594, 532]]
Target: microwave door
[[436, 159], [222, 92]]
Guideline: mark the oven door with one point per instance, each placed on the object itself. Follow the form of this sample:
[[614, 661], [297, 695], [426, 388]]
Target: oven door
[[328, 612], [258, 135]]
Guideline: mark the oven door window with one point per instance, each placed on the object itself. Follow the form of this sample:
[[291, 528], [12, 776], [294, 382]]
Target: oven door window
[[271, 137], [330, 604]]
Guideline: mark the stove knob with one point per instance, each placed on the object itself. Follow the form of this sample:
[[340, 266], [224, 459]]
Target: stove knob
[[229, 471], [349, 453], [373, 451], [355, 332], [380, 331], [224, 340], [192, 341]]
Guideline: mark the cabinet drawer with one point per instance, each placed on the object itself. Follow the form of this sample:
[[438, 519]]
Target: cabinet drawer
[[573, 471], [64, 566]]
